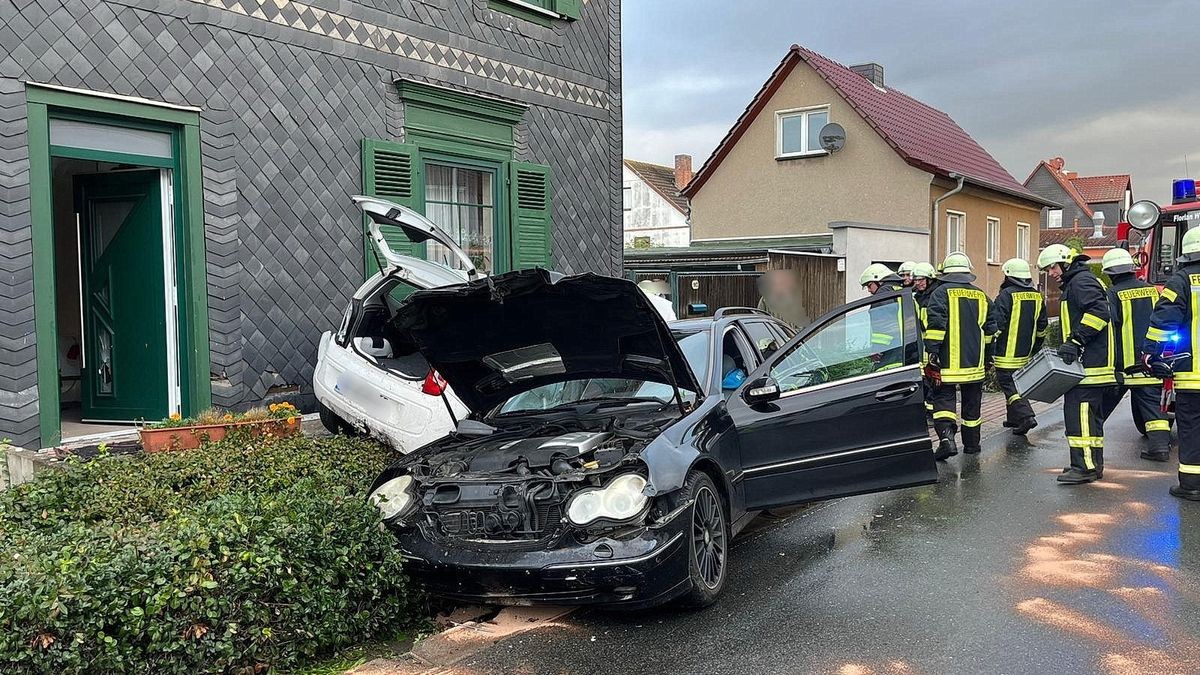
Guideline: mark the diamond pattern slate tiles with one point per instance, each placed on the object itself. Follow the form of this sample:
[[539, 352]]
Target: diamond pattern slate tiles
[[288, 91]]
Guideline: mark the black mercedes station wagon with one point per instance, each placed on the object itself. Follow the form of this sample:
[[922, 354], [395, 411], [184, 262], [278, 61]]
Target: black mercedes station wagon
[[609, 457]]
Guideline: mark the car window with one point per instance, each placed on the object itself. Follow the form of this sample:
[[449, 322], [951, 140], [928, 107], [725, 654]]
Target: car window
[[867, 339], [765, 340]]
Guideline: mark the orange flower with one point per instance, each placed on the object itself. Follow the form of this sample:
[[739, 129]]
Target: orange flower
[[228, 416], [176, 416], [291, 421]]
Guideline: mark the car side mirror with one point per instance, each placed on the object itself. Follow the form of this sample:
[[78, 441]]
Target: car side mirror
[[378, 347], [762, 390]]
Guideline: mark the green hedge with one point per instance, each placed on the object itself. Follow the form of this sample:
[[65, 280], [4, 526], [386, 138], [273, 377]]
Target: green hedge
[[236, 557]]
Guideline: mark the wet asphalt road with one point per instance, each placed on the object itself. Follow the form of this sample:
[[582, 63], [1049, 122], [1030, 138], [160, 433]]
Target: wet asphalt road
[[995, 569]]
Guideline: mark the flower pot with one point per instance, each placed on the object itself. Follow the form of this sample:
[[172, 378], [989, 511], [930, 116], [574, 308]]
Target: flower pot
[[191, 437]]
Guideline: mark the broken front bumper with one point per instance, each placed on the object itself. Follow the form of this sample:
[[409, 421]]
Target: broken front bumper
[[648, 569]]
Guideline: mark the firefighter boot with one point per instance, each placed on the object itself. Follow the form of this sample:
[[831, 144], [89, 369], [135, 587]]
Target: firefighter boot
[[1025, 426], [1087, 465], [1188, 488], [946, 448]]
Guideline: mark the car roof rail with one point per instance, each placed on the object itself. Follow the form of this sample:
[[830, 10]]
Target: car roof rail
[[728, 311]]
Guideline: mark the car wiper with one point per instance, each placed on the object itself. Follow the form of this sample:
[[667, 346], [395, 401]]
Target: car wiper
[[602, 401]]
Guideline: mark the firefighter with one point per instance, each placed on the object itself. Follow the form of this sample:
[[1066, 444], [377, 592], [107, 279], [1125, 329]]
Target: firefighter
[[1175, 328], [886, 321], [1132, 300], [1019, 313], [924, 280], [1087, 337], [956, 339], [905, 272]]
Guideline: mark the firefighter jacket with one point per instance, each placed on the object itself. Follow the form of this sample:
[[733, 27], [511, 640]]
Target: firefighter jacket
[[1084, 315], [1175, 325], [1019, 313], [887, 327], [1132, 303], [959, 328]]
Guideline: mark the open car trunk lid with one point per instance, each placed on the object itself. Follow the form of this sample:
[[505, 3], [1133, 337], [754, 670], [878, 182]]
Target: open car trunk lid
[[497, 337], [417, 229]]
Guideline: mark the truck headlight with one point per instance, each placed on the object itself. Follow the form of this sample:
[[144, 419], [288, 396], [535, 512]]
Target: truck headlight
[[621, 499], [395, 499]]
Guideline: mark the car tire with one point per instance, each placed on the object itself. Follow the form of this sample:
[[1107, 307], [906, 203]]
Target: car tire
[[332, 423], [708, 535]]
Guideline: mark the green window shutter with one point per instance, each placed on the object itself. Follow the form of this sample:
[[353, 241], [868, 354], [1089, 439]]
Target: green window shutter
[[529, 204], [568, 8], [391, 171]]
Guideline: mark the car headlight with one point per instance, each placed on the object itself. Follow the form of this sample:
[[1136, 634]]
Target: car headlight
[[621, 499], [395, 498]]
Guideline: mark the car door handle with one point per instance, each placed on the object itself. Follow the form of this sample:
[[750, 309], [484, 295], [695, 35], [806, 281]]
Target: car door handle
[[896, 392]]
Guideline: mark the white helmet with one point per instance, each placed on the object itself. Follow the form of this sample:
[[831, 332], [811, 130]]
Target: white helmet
[[876, 272], [1117, 261], [1055, 253], [906, 267], [956, 262], [924, 270], [1190, 248], [1017, 268]]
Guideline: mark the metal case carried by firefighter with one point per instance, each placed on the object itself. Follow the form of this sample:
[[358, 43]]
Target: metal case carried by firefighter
[[1046, 377]]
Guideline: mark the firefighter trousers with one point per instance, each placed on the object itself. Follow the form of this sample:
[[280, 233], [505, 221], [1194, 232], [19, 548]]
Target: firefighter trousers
[[945, 421], [1146, 404], [1083, 414], [1018, 408], [1187, 416]]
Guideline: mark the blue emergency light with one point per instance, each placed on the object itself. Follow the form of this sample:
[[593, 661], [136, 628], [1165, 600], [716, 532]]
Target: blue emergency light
[[1183, 190]]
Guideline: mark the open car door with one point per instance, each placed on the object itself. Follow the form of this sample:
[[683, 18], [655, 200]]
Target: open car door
[[839, 410]]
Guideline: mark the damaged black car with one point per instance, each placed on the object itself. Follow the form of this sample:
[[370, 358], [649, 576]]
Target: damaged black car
[[610, 457]]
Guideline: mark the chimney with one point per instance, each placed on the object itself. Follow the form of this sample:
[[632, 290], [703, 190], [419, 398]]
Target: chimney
[[683, 171], [1098, 225], [1057, 163], [871, 71], [1071, 175]]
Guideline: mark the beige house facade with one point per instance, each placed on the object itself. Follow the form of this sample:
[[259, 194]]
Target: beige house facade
[[883, 189]]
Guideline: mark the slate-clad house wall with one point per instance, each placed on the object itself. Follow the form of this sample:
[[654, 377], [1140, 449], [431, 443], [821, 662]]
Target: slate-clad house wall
[[287, 92], [1043, 183]]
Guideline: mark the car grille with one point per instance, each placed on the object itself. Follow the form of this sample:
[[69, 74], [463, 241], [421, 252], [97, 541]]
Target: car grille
[[493, 523]]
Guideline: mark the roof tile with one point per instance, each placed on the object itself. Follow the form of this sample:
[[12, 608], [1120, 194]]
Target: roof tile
[[662, 180], [1099, 189]]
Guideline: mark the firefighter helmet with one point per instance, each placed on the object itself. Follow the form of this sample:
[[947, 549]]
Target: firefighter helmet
[[906, 267], [1191, 246], [956, 262], [1017, 268], [1117, 261], [876, 272], [1055, 253], [923, 270]]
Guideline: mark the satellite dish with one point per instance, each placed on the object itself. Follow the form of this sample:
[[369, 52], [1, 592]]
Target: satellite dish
[[833, 137]]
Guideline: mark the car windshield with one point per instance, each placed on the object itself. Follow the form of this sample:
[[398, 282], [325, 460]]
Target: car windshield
[[693, 344]]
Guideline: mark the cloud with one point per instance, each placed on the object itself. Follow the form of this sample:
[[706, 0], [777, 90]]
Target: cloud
[[661, 144]]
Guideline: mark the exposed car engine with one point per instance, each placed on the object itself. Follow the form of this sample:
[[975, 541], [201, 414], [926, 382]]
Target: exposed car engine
[[514, 486]]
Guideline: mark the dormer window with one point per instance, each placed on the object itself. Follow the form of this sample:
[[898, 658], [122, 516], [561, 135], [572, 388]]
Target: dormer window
[[797, 132]]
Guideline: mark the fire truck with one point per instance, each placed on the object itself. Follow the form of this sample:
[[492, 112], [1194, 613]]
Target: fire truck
[[1161, 229]]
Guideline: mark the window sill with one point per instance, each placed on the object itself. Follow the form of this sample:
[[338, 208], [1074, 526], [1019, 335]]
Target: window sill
[[801, 155]]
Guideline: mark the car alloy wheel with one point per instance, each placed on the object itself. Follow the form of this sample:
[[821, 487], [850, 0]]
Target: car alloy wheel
[[708, 537]]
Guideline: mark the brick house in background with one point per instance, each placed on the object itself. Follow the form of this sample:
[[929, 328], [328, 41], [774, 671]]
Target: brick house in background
[[656, 214], [909, 183], [214, 146], [1091, 205]]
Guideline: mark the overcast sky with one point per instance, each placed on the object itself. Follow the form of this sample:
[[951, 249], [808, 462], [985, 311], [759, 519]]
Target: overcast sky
[[1110, 86]]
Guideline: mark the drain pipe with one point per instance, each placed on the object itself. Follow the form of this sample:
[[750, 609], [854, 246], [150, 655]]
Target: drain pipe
[[936, 219]]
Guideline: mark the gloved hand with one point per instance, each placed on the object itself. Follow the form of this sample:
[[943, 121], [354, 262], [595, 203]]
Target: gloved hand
[[1158, 368], [1069, 352]]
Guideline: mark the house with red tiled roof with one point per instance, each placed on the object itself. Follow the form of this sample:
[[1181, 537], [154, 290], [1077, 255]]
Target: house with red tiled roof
[[1091, 206], [908, 183], [656, 214]]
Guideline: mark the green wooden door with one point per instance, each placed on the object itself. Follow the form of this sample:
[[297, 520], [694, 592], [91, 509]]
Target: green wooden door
[[124, 296]]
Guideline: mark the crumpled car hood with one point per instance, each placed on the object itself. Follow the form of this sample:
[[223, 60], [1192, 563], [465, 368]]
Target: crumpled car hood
[[494, 338]]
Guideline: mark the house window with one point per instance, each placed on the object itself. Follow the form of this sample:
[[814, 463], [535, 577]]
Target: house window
[[798, 132], [461, 201], [541, 12], [993, 240], [1054, 218], [627, 198], [1023, 241], [956, 232]]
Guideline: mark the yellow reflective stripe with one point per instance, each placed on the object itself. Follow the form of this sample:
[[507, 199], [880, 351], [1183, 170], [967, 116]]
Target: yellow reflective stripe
[[1014, 398], [1157, 334], [1128, 349], [987, 339], [960, 375], [1042, 333], [945, 415], [1087, 459], [955, 331], [971, 423], [1158, 425], [1064, 320], [1106, 378], [935, 335], [1093, 321], [1009, 363], [888, 367], [1169, 295], [1189, 468], [881, 338], [928, 406], [1014, 330]]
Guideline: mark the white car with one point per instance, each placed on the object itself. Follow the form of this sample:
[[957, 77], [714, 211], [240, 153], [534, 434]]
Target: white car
[[367, 380]]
